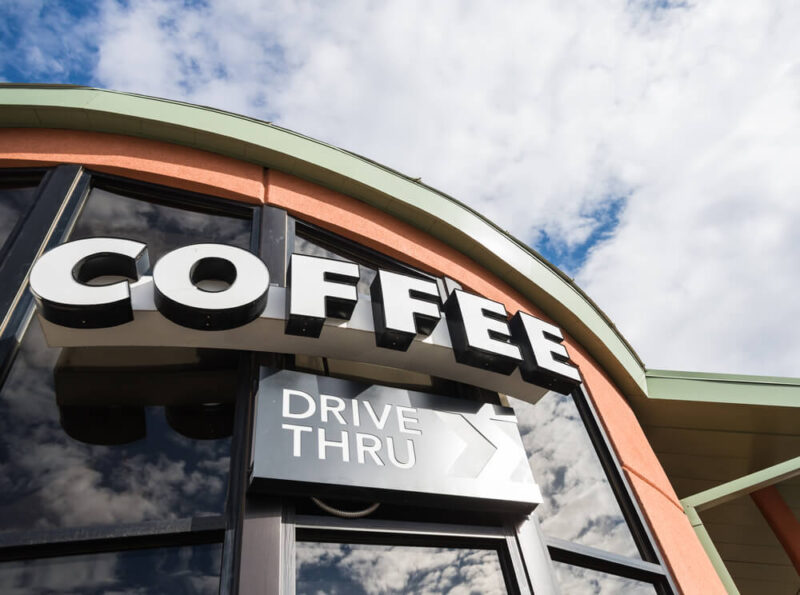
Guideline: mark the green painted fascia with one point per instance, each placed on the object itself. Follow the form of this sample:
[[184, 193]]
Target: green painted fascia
[[208, 129], [711, 551], [743, 485], [723, 388]]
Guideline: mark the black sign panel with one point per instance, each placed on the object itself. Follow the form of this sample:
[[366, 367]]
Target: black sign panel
[[322, 436]]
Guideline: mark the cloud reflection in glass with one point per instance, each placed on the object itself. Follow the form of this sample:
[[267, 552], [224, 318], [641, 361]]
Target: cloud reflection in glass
[[579, 504], [573, 579], [181, 570], [161, 227], [358, 569], [49, 480]]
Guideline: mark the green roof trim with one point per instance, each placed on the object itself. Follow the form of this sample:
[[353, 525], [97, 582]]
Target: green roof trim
[[734, 389], [711, 550], [747, 484], [82, 108]]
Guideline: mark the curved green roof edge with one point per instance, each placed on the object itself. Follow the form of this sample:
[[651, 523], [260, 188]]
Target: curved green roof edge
[[240, 137], [733, 389]]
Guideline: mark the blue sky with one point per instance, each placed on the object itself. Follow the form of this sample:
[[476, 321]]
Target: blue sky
[[647, 148]]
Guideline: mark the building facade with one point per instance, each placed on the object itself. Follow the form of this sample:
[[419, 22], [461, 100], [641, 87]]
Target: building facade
[[163, 439]]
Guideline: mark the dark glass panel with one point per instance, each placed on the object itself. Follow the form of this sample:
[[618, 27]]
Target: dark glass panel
[[582, 581], [579, 504], [49, 479], [366, 274], [339, 368], [379, 374], [162, 228], [190, 570], [384, 569], [14, 202]]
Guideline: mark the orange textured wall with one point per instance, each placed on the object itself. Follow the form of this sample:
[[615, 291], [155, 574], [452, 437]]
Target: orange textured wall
[[138, 158], [369, 226]]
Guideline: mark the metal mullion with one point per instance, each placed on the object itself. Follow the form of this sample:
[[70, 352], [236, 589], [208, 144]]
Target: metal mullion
[[255, 230], [237, 479], [82, 540], [381, 526], [288, 547], [399, 537], [596, 559], [535, 554], [261, 564], [58, 200], [516, 565], [276, 241]]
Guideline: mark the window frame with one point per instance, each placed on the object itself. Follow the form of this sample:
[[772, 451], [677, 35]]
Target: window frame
[[274, 526], [58, 202]]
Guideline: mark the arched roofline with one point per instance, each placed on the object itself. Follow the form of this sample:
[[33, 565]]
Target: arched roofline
[[254, 141]]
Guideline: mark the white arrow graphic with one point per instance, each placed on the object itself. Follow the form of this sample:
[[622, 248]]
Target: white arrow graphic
[[477, 450], [492, 448]]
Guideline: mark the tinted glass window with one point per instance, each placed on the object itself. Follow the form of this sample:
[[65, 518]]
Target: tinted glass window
[[178, 571], [340, 368], [579, 504], [317, 242], [14, 202], [161, 227], [366, 274], [384, 569], [574, 579], [78, 450]]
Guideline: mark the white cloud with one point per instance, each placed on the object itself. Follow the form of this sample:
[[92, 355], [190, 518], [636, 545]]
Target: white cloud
[[550, 117]]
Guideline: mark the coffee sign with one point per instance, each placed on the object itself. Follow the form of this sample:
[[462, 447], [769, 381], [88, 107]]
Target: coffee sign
[[404, 314]]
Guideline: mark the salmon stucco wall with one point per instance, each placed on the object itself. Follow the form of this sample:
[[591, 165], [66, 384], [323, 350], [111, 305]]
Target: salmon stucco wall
[[136, 158]]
